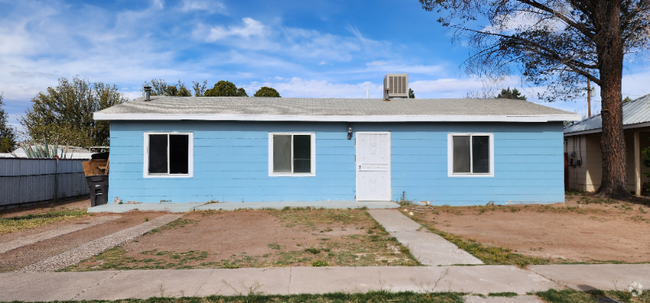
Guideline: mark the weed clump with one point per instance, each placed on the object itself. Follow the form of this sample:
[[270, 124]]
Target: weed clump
[[320, 263]]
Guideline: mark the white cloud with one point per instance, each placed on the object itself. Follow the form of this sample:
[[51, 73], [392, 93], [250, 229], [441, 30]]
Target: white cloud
[[158, 4], [203, 5], [636, 85], [522, 21], [398, 67], [291, 41], [24, 74], [298, 87], [445, 88], [251, 27], [355, 31], [131, 94]]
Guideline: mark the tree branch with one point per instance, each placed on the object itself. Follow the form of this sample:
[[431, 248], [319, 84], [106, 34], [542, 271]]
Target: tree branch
[[570, 63], [580, 27]]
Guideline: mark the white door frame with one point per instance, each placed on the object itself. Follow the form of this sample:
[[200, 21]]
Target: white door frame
[[356, 164]]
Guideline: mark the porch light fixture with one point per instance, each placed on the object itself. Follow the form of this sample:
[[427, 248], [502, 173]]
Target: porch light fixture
[[349, 131]]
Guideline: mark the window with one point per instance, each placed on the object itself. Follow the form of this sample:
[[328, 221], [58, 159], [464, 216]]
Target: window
[[471, 155], [168, 154], [292, 154]]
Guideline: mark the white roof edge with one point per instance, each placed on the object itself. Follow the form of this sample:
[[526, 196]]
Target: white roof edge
[[334, 118]]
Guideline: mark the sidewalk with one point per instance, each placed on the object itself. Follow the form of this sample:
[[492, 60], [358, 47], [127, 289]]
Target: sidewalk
[[114, 285]]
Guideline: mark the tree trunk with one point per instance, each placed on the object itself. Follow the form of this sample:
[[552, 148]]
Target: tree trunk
[[610, 63]]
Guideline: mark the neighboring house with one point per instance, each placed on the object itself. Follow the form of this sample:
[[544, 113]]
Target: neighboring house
[[582, 145], [234, 149]]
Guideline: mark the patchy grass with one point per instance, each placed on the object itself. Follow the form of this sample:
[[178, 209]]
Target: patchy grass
[[490, 255], [310, 217], [360, 241], [115, 259], [372, 248], [178, 223], [481, 209], [252, 295], [544, 234], [13, 224], [575, 296], [320, 263]]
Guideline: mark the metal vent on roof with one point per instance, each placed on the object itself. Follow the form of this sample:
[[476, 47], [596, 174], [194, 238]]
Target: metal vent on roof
[[396, 85]]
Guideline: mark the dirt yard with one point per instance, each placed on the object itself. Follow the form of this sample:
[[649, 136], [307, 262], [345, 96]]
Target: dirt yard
[[34, 220], [76, 203], [584, 229], [258, 238]]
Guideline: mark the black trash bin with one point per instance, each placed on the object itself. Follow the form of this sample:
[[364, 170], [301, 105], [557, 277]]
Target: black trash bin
[[98, 186]]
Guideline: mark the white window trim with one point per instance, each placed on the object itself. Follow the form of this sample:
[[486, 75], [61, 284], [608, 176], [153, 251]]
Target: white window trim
[[450, 155], [312, 162], [190, 167]]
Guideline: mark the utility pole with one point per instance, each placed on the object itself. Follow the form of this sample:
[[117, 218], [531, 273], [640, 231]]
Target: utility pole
[[589, 97]]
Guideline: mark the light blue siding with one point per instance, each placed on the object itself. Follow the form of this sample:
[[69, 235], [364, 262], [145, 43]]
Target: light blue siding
[[231, 163]]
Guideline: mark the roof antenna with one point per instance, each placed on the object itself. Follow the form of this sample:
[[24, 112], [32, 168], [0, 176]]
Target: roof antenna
[[147, 93], [367, 93]]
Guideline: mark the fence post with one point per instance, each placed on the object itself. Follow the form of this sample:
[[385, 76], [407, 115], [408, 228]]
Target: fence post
[[56, 180]]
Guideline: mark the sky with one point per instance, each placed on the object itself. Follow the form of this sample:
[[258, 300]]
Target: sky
[[333, 48]]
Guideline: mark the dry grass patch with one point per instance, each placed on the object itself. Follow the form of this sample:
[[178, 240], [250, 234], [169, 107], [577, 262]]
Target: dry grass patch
[[582, 230], [29, 221], [259, 238]]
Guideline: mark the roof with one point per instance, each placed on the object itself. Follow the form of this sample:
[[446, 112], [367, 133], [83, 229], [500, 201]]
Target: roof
[[332, 110], [636, 113], [73, 152]]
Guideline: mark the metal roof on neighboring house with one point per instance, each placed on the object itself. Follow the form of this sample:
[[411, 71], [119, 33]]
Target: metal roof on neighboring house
[[332, 110], [635, 114]]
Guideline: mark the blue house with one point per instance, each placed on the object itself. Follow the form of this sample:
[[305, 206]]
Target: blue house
[[234, 149]]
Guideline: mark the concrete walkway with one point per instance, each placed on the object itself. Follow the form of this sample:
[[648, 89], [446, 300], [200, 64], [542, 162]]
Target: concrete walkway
[[427, 247], [115, 285], [186, 207], [35, 238]]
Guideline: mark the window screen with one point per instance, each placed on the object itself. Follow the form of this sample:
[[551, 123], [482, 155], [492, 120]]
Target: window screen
[[461, 154], [292, 153], [169, 154], [301, 153], [157, 154], [471, 154], [282, 153], [481, 154], [179, 154]]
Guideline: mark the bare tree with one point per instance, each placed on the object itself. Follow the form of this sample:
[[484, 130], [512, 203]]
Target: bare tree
[[558, 43]]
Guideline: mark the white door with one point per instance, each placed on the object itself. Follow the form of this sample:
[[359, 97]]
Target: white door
[[373, 166]]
